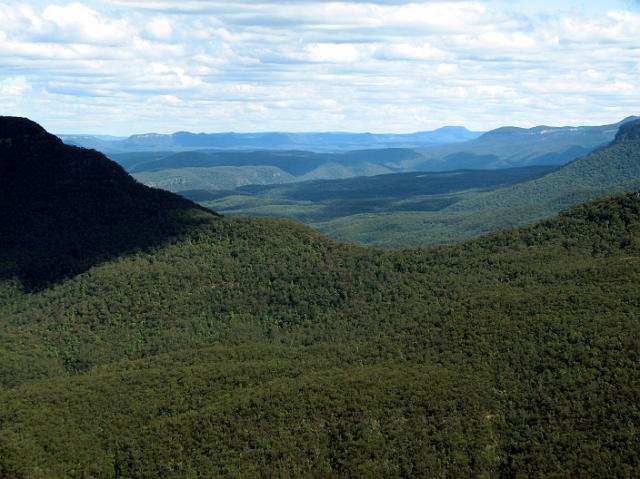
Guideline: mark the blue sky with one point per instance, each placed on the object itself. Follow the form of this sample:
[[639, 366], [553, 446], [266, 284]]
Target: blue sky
[[133, 66]]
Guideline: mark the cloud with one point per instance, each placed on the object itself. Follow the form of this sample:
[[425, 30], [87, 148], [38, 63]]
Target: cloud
[[13, 87], [124, 66], [335, 53], [159, 29]]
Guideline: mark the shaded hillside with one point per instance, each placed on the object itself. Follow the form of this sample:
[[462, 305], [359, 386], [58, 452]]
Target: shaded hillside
[[66, 209]]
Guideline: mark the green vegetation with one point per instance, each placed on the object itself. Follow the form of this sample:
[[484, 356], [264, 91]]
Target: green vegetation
[[65, 209], [216, 178], [301, 164], [430, 208], [318, 201], [244, 347]]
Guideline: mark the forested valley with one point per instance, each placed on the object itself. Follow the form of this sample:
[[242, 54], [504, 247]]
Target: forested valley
[[145, 336]]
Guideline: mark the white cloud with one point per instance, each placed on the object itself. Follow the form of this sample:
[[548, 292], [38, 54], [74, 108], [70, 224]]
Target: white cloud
[[334, 52], [13, 87], [159, 29], [123, 66], [507, 41], [445, 17], [165, 100], [79, 24], [448, 69], [409, 51]]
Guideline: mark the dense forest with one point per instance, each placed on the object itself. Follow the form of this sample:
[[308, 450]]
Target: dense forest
[[614, 168], [173, 342], [322, 202]]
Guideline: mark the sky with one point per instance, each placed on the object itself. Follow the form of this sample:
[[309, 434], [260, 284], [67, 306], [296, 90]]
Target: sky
[[134, 66]]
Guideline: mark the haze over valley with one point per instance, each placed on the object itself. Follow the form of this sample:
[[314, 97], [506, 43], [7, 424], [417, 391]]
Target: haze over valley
[[392, 196]]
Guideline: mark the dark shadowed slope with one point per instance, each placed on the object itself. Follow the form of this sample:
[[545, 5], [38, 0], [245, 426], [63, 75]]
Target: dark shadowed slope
[[65, 209]]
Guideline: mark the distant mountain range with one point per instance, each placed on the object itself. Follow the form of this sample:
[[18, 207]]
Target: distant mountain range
[[509, 146], [223, 170], [322, 141], [405, 209]]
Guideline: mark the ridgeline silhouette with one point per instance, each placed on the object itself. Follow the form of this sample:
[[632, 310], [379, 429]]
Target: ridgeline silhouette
[[65, 209]]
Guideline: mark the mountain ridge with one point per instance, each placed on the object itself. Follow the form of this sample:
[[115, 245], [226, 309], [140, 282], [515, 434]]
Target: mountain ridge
[[312, 141], [513, 146], [76, 207], [246, 347], [507, 147]]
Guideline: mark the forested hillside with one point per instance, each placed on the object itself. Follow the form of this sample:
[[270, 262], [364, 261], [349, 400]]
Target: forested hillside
[[245, 347], [65, 208], [216, 170], [327, 200], [611, 169]]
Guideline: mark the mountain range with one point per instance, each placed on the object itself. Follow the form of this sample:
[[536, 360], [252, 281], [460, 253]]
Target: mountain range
[[144, 336], [223, 170], [410, 209], [321, 141], [509, 146]]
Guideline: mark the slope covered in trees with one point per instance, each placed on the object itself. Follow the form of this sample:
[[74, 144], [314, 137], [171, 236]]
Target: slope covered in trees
[[324, 201], [65, 208], [288, 166], [611, 169], [256, 347], [510, 146]]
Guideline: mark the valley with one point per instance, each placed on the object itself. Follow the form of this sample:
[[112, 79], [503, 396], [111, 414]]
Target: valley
[[318, 239], [172, 340], [423, 208], [340, 194]]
